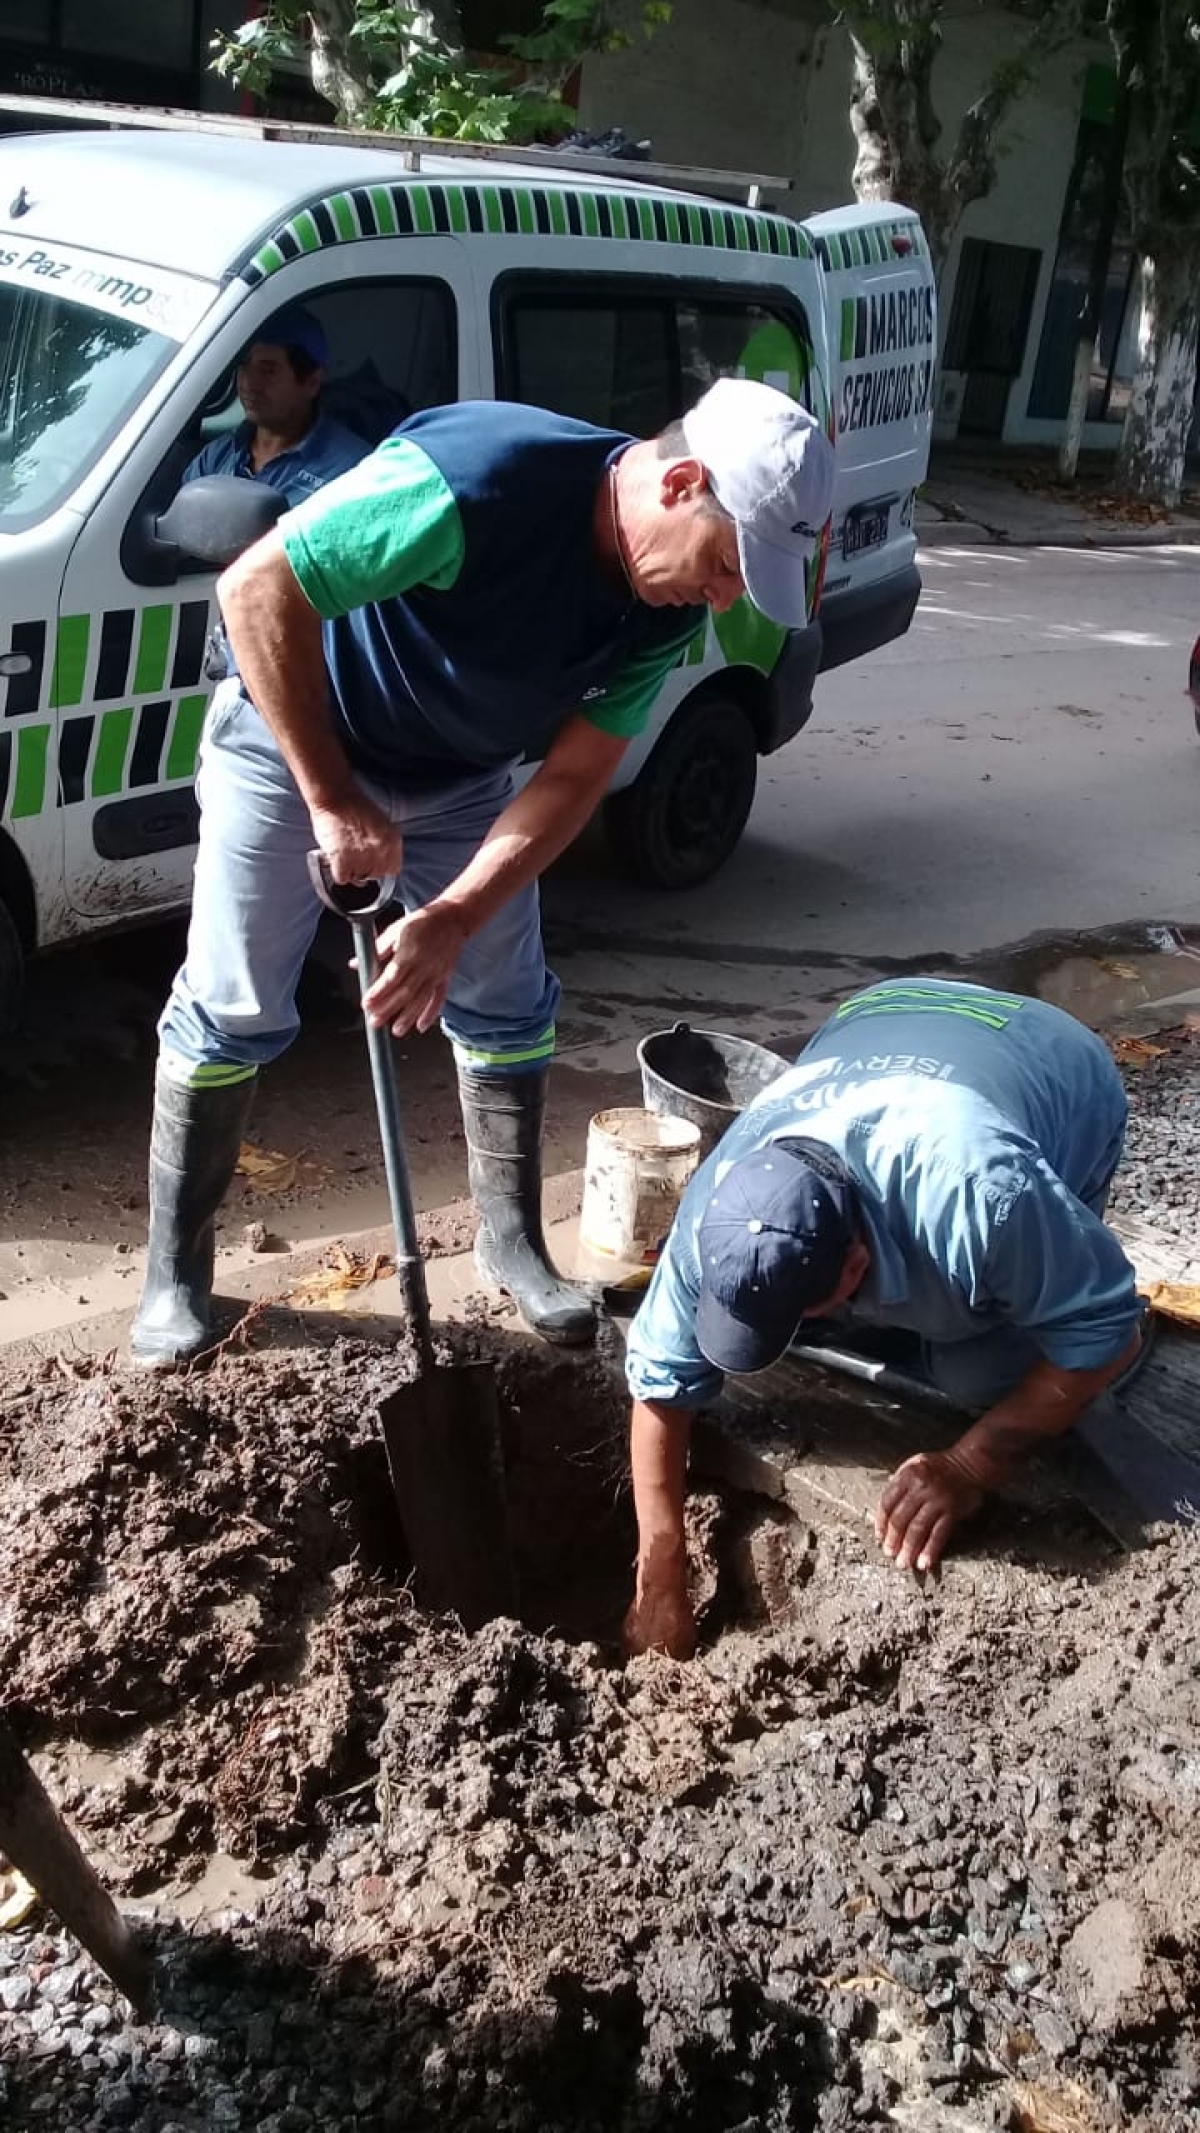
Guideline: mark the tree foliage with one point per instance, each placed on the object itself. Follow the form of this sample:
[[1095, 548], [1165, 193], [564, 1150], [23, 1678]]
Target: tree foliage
[[893, 115], [405, 69]]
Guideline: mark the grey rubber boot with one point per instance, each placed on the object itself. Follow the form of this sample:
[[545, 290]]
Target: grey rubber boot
[[193, 1154], [502, 1116]]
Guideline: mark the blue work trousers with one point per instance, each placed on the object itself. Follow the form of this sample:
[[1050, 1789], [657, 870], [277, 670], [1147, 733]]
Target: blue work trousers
[[255, 912]]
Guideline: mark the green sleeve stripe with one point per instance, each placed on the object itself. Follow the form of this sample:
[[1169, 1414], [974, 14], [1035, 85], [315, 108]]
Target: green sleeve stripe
[[625, 708], [390, 523]]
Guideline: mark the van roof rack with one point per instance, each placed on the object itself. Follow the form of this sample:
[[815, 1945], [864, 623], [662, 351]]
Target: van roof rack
[[412, 147]]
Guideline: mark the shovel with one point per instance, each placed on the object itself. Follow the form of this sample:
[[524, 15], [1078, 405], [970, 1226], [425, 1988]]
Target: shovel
[[441, 1433]]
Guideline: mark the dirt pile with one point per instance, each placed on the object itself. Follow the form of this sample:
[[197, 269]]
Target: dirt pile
[[883, 1856]]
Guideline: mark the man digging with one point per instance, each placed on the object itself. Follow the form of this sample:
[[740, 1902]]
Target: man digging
[[494, 583], [935, 1165]]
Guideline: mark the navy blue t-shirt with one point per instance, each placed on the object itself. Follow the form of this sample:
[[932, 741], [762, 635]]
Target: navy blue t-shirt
[[467, 614]]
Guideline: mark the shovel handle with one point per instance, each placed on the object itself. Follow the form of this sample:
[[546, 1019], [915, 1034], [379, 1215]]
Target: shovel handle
[[359, 903], [350, 899]]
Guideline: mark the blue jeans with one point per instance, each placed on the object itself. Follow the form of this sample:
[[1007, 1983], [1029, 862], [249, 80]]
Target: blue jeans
[[255, 913]]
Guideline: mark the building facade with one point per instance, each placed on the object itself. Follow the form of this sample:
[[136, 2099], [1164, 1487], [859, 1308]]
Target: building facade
[[765, 85]]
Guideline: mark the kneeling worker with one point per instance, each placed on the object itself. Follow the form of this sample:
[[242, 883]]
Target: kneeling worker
[[938, 1161]]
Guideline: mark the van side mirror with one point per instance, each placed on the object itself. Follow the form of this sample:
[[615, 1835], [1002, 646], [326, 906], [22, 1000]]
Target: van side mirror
[[202, 526], [214, 518]]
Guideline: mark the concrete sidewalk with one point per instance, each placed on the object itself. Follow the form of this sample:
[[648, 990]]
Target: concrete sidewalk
[[1017, 500]]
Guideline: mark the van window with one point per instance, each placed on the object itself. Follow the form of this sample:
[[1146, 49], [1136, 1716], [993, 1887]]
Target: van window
[[68, 378], [608, 362], [635, 355], [392, 351]]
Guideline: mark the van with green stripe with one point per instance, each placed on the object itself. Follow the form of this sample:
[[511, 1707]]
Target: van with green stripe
[[138, 260]]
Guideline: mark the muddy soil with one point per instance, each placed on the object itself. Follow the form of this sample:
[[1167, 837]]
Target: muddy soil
[[884, 1855]]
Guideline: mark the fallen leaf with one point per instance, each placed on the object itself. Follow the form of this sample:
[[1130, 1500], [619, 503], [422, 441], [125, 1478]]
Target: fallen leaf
[[1134, 1051], [1042, 2110], [268, 1170], [343, 1273], [1179, 1300]]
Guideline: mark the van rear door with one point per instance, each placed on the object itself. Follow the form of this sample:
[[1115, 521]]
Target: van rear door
[[881, 319]]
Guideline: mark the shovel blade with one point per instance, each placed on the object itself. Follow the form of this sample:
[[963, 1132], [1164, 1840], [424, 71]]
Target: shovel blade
[[442, 1436]]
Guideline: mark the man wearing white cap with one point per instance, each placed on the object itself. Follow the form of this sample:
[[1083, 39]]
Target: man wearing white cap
[[493, 583]]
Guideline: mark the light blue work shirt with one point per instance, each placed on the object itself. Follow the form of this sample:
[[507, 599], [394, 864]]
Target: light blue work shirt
[[981, 1131], [325, 451]]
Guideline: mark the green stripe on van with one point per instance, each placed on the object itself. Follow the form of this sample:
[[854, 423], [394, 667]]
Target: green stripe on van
[[847, 348], [385, 213], [70, 661], [631, 216], [307, 234], [154, 640], [112, 748], [29, 790], [185, 736]]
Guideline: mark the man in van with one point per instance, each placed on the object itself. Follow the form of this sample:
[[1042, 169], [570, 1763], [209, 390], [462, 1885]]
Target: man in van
[[494, 582], [284, 440], [932, 1172]]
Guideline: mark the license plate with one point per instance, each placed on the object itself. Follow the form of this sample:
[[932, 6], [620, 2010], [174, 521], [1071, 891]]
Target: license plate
[[865, 529]]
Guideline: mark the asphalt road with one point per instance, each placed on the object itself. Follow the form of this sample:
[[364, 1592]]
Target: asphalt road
[[1015, 779], [1022, 767]]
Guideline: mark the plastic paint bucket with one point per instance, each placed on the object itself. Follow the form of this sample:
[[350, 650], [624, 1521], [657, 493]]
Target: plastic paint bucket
[[704, 1076], [638, 1164]]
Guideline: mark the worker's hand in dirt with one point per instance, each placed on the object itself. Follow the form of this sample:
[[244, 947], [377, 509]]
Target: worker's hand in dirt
[[360, 842], [417, 957], [922, 1504], [661, 1620]]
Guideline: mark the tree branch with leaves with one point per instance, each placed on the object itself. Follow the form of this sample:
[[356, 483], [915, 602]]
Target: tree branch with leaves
[[406, 70], [893, 116]]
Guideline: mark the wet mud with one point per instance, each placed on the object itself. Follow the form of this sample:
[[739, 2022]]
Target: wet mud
[[887, 1854]]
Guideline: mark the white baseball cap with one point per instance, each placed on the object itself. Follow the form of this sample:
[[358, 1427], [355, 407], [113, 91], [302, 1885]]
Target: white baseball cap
[[770, 465]]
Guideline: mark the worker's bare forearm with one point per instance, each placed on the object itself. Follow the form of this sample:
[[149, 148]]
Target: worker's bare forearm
[[659, 1438], [1046, 1404], [535, 827], [276, 640]]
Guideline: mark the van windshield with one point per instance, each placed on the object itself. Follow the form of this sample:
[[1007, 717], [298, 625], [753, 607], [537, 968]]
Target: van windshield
[[69, 375]]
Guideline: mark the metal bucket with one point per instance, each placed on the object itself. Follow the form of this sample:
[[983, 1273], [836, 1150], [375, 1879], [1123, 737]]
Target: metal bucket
[[704, 1076]]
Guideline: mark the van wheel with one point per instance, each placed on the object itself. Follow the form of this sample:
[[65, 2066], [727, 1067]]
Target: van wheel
[[12, 973], [685, 811]]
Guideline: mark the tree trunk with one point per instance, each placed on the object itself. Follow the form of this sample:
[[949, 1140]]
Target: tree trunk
[[340, 69], [1093, 304], [1150, 460], [895, 132]]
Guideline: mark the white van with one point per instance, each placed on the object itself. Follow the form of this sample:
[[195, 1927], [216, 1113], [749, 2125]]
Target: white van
[[138, 261]]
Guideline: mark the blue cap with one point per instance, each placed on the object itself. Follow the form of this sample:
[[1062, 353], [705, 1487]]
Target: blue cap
[[772, 1242], [297, 328]]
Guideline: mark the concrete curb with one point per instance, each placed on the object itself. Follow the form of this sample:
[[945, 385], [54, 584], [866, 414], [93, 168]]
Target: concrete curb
[[969, 533]]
